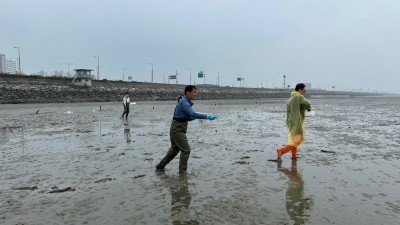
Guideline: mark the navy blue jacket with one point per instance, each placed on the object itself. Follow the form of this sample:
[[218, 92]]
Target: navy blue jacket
[[184, 111]]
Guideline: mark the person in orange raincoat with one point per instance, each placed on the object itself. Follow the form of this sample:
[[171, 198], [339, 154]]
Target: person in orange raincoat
[[295, 121]]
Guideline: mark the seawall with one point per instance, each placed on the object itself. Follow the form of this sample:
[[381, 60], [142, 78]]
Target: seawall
[[15, 89]]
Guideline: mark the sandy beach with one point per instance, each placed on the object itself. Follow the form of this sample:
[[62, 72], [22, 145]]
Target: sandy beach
[[74, 164]]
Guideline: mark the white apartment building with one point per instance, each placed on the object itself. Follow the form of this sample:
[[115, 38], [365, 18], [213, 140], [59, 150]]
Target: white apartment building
[[7, 66], [11, 67], [2, 63]]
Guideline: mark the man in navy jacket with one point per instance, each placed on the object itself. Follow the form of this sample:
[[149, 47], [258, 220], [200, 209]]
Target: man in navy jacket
[[179, 143]]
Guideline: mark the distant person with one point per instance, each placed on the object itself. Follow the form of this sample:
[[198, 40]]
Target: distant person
[[179, 143], [126, 102], [295, 121]]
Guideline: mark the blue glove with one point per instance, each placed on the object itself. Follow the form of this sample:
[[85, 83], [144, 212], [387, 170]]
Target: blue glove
[[211, 117]]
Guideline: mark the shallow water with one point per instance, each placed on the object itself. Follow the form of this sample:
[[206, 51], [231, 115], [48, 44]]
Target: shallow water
[[109, 164]]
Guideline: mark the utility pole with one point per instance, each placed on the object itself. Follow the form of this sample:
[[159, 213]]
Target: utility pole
[[151, 71], [284, 81], [176, 72], [190, 76], [69, 72], [19, 60], [98, 67], [123, 73]]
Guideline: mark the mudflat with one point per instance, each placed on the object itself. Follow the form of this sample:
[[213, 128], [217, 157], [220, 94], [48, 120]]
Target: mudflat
[[75, 164]]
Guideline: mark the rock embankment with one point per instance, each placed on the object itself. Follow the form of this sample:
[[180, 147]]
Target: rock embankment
[[16, 89]]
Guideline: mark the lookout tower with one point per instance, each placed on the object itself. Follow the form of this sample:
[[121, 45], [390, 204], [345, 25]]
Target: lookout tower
[[83, 77]]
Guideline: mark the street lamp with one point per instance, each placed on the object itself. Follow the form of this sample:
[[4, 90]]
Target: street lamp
[[69, 73], [284, 83], [164, 77], [151, 72], [98, 67], [123, 73], [190, 75], [19, 60]]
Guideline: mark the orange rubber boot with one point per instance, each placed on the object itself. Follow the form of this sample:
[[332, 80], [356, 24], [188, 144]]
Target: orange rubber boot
[[281, 151], [294, 153]]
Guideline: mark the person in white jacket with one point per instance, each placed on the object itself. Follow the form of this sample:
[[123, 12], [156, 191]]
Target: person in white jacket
[[126, 101]]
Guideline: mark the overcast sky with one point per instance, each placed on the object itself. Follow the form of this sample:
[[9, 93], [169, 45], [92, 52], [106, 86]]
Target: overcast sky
[[349, 44]]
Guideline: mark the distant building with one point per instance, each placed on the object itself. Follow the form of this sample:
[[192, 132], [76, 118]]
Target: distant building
[[2, 63], [308, 85], [83, 77], [11, 67], [7, 66]]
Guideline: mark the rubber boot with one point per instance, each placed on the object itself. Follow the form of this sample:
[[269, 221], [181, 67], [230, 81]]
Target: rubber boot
[[183, 161], [281, 151], [170, 156], [294, 153]]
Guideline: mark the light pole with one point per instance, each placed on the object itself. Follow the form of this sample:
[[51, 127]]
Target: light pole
[[19, 60], [98, 67], [164, 76], [284, 81], [190, 75], [69, 73], [123, 73], [151, 71]]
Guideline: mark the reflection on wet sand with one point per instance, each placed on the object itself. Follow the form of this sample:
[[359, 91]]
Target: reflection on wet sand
[[180, 198], [127, 134], [296, 204]]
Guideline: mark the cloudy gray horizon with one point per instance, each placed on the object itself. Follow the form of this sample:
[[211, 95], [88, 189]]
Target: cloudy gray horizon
[[352, 45]]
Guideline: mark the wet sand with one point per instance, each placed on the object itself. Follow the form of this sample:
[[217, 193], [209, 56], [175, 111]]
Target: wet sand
[[75, 164]]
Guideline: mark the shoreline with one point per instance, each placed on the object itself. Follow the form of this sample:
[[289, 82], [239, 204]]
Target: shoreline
[[21, 89]]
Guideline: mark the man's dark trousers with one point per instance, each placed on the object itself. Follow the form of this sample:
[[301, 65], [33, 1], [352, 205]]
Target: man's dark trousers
[[180, 143]]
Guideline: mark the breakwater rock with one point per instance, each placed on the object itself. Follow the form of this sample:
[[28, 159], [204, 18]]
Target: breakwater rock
[[16, 89]]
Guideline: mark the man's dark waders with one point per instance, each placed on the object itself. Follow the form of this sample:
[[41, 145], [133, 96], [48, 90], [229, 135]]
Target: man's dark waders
[[180, 143]]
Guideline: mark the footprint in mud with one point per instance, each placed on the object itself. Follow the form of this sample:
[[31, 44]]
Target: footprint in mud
[[62, 190], [138, 176], [274, 160], [326, 151], [241, 162], [26, 188], [104, 180]]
